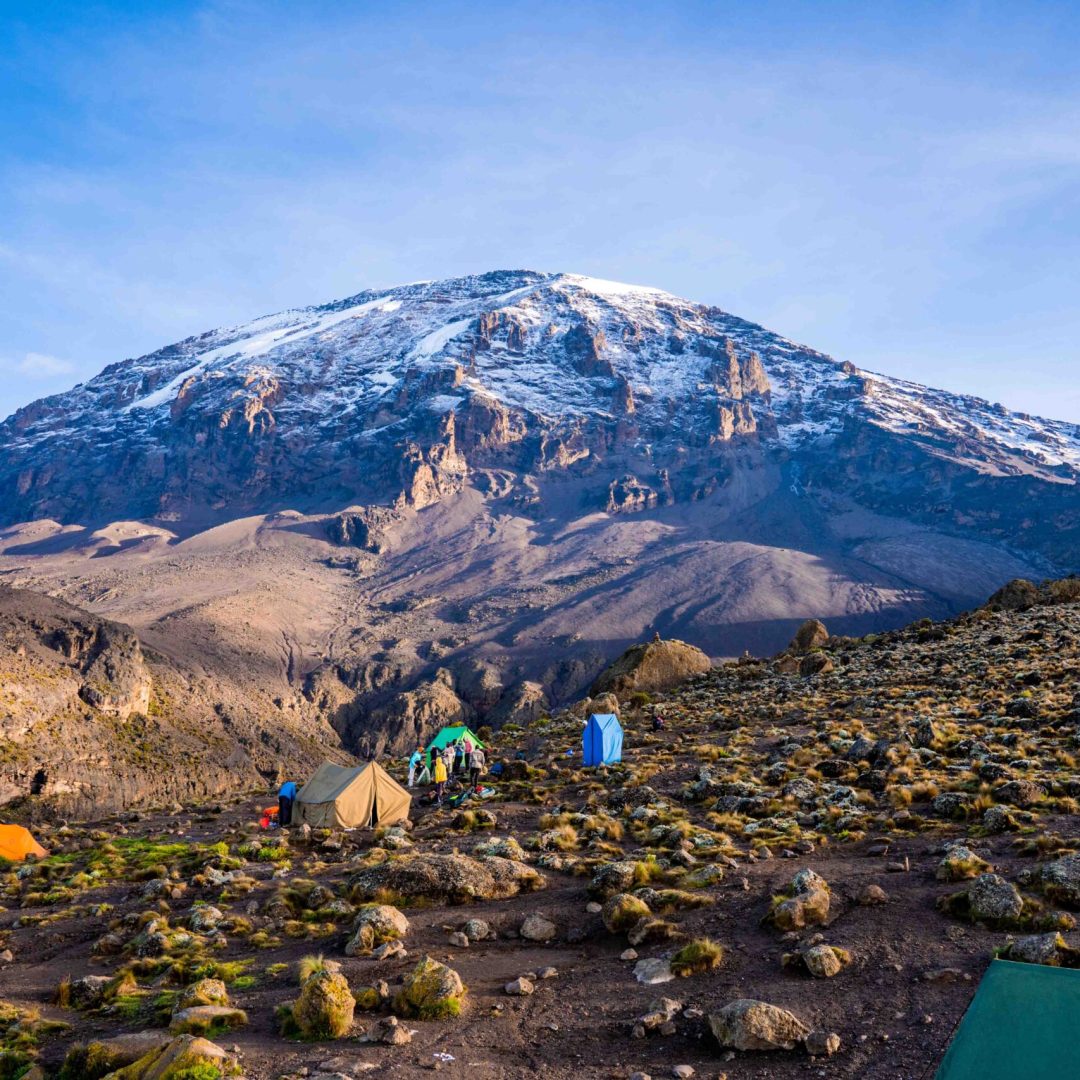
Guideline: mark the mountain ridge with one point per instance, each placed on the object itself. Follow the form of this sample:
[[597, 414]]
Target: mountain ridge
[[589, 350]]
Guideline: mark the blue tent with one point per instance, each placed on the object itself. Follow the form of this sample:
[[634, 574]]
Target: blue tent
[[602, 741]]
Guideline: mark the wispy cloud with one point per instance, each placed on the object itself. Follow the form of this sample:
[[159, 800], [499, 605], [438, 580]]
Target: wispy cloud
[[35, 365]]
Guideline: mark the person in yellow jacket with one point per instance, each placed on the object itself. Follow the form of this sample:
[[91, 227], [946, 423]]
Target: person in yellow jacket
[[440, 779]]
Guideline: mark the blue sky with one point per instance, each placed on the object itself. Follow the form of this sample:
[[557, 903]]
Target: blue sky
[[896, 184]]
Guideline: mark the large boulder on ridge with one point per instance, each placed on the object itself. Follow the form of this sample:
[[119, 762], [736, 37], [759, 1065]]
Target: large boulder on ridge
[[657, 665]]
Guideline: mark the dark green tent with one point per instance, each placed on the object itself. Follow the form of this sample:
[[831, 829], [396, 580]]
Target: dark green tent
[[1022, 1023], [449, 735]]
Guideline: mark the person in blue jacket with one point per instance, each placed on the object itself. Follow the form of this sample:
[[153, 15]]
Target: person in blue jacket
[[415, 763], [286, 796]]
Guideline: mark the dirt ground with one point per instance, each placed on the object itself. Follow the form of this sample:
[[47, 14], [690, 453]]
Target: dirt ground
[[894, 1008]]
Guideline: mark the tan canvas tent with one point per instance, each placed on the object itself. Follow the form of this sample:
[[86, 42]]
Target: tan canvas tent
[[337, 797]]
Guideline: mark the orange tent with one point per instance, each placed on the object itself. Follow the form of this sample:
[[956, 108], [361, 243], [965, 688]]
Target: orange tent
[[16, 843]]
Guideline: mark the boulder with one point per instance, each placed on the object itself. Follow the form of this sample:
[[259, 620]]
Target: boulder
[[872, 895], [1016, 595], [1060, 880], [960, 863], [391, 1032], [1021, 793], [811, 635], [203, 992], [824, 961], [537, 927], [653, 970], [657, 665], [374, 925], [1048, 949], [611, 878], [88, 992], [816, 663], [182, 1056], [808, 904], [746, 1024], [103, 1056], [605, 703], [504, 847], [478, 930], [623, 911], [997, 820], [431, 991], [207, 1019], [453, 879], [994, 900], [204, 918], [952, 804], [325, 1007]]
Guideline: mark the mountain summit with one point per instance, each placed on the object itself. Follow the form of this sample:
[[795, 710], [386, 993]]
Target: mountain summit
[[401, 395], [459, 499]]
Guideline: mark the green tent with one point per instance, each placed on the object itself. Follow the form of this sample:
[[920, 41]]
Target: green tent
[[449, 735], [1022, 1022]]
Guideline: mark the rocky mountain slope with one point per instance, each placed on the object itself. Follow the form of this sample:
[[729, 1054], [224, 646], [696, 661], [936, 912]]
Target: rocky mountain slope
[[459, 498], [805, 871], [90, 720]]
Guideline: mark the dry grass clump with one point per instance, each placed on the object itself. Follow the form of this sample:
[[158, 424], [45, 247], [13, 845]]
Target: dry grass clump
[[697, 957]]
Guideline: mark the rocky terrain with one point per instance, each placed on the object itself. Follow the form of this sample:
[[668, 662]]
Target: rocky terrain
[[90, 719], [458, 499], [802, 870]]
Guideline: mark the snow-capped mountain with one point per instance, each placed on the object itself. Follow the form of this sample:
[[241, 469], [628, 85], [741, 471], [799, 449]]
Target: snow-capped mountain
[[401, 395]]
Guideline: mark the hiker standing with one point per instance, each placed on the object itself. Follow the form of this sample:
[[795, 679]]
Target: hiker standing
[[448, 755], [477, 762], [414, 764], [440, 780], [286, 796]]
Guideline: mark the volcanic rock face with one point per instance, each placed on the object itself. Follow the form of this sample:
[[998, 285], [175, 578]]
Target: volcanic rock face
[[460, 499]]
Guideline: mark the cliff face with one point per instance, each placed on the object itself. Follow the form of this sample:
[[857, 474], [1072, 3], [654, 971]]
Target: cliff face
[[89, 722], [459, 499]]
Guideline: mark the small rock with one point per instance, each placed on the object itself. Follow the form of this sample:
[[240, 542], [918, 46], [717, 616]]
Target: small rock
[[628, 954], [872, 895], [822, 962], [653, 971], [521, 987], [392, 1033], [538, 928], [822, 1043]]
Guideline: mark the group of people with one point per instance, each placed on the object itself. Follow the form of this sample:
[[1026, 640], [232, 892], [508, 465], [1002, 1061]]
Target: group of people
[[457, 757]]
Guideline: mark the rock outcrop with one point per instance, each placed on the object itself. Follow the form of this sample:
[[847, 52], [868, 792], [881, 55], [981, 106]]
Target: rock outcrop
[[657, 665]]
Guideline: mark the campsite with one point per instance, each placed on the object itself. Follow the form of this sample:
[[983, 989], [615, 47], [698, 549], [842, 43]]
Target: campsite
[[624, 907]]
